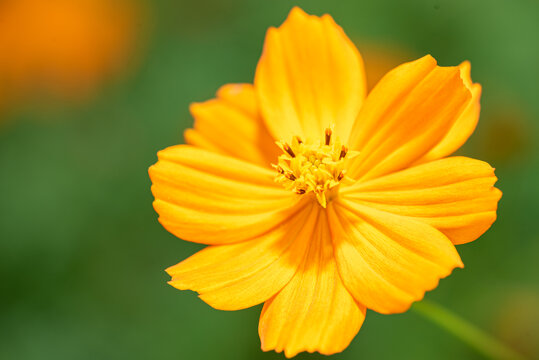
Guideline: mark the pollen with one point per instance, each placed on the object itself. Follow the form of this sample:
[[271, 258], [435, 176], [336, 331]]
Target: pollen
[[315, 167]]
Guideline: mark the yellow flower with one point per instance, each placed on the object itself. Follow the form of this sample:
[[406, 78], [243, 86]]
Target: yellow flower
[[357, 207]]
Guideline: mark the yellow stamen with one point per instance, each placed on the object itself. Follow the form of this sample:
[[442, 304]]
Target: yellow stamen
[[315, 167], [287, 148], [344, 150], [328, 136]]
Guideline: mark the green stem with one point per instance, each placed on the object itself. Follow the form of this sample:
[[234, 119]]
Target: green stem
[[468, 333]]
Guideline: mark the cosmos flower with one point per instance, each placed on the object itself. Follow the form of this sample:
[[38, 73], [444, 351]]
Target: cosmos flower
[[318, 199], [64, 47]]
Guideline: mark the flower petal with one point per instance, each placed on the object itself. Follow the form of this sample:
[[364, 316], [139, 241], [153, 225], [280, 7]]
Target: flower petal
[[209, 198], [309, 77], [314, 311], [455, 195], [387, 261], [408, 112], [465, 125], [238, 276], [231, 125]]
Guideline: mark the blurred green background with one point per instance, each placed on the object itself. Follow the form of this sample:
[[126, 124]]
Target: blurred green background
[[81, 251]]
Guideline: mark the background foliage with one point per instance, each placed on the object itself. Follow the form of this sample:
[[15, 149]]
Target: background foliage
[[81, 251]]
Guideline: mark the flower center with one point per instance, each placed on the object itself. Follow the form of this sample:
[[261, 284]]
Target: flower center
[[313, 166]]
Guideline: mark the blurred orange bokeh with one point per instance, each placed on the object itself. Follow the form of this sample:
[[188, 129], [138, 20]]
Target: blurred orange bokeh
[[65, 48]]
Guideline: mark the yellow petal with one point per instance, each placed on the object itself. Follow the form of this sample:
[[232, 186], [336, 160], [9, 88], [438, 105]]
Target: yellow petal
[[209, 198], [406, 115], [231, 125], [238, 276], [465, 125], [387, 261], [309, 77], [314, 311], [455, 195]]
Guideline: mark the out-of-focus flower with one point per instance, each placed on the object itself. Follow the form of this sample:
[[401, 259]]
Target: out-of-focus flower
[[63, 47], [361, 208], [506, 138], [517, 322]]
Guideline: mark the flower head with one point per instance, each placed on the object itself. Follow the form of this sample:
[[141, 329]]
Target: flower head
[[319, 200]]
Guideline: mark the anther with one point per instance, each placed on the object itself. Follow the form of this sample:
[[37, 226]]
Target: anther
[[298, 139], [340, 176], [287, 148], [290, 176], [328, 136], [344, 150], [300, 191]]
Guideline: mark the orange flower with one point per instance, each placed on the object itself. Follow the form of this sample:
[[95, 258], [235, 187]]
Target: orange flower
[[66, 47], [361, 208]]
